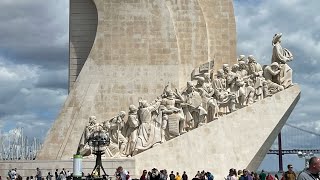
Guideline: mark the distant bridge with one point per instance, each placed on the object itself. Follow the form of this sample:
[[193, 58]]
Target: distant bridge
[[296, 136]]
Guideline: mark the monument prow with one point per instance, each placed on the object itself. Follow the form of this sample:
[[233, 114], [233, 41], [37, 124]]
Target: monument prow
[[238, 140]]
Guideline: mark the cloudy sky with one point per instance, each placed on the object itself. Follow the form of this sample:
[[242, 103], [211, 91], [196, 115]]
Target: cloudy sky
[[34, 61]]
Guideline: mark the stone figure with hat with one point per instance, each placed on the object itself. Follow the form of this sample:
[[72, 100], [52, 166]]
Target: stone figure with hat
[[282, 56], [241, 58]]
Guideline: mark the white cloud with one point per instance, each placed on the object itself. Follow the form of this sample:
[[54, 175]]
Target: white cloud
[[24, 102]]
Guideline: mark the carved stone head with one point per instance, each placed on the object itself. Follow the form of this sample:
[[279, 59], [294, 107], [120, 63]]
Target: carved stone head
[[206, 76], [225, 67], [251, 59], [132, 108], [200, 80], [144, 103], [241, 58], [170, 93], [235, 68], [276, 38], [242, 65], [92, 120], [122, 114], [220, 73], [274, 66]]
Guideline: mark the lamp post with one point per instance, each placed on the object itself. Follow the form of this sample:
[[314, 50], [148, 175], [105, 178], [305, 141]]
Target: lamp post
[[98, 142], [306, 156]]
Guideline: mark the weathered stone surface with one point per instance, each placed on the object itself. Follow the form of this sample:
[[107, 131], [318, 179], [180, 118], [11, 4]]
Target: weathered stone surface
[[139, 46], [238, 140]]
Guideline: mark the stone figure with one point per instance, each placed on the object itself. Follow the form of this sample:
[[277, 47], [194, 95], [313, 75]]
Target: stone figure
[[254, 68], [235, 69], [258, 86], [270, 73], [226, 70], [149, 132], [131, 132], [231, 81], [220, 91], [282, 56], [219, 83], [192, 107], [241, 58], [206, 92], [243, 70], [174, 115], [241, 93], [212, 105], [265, 89], [115, 127], [84, 148]]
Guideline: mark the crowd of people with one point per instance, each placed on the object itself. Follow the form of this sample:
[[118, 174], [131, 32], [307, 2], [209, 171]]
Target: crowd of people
[[13, 174], [155, 174], [310, 173]]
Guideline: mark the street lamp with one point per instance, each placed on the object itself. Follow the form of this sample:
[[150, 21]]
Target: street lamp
[[98, 141], [306, 156]]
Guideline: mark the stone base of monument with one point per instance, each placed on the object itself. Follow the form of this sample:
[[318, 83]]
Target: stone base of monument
[[28, 168], [237, 140]]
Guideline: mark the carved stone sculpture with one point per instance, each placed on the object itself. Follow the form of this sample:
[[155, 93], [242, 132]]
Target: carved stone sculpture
[[149, 132], [131, 129], [241, 58], [221, 93], [254, 68], [282, 56], [258, 86], [174, 114], [204, 87], [115, 127], [84, 148], [192, 108], [271, 72]]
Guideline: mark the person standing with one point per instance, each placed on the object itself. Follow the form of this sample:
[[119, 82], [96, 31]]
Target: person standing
[[311, 173], [124, 175], [290, 175], [178, 177], [144, 175], [269, 177], [184, 176], [39, 174], [172, 176], [262, 175], [49, 176], [56, 174]]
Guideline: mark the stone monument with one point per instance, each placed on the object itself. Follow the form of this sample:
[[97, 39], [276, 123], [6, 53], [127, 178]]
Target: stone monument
[[123, 50], [163, 82]]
